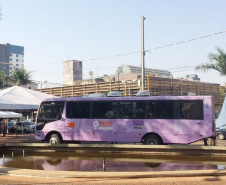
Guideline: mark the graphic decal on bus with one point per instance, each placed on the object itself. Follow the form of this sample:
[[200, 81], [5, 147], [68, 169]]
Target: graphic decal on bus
[[138, 124], [71, 125], [103, 125]]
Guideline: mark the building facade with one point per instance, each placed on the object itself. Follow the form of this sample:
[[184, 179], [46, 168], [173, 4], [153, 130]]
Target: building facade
[[127, 69], [192, 77], [11, 57], [72, 71]]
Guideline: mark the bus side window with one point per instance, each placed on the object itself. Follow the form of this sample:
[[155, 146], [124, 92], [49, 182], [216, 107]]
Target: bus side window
[[104, 109], [125, 110], [160, 110], [77, 109], [138, 109]]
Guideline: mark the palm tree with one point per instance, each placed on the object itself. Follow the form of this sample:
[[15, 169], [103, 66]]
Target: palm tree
[[218, 62], [20, 76]]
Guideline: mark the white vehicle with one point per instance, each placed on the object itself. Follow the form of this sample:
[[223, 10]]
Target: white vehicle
[[24, 126]]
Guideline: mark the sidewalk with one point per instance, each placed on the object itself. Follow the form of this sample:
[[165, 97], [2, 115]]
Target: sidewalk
[[19, 138], [30, 138]]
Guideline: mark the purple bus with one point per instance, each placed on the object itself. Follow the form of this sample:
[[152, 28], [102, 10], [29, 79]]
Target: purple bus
[[151, 120]]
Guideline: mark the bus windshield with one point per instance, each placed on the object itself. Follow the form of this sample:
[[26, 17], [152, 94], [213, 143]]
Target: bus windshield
[[48, 112]]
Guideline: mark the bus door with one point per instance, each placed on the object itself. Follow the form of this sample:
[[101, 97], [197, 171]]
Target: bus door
[[77, 114], [71, 129], [190, 121], [130, 124], [103, 122], [161, 120]]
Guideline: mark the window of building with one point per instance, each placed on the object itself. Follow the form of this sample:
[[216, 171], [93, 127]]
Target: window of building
[[17, 60], [10, 59], [17, 55]]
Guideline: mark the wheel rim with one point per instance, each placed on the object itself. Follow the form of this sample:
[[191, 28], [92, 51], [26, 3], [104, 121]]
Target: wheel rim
[[53, 140], [151, 141], [221, 136]]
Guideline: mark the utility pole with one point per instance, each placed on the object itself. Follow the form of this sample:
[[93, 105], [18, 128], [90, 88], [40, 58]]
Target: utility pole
[[142, 55]]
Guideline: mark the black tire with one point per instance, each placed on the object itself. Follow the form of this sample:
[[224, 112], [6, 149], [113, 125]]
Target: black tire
[[152, 140], [221, 136], [54, 139]]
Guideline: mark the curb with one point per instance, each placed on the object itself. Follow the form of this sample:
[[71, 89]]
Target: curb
[[70, 174]]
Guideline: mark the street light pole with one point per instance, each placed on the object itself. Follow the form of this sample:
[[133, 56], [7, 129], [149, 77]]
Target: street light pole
[[171, 84], [142, 55]]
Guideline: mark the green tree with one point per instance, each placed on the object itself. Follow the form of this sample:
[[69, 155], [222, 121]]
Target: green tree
[[217, 62], [20, 76], [2, 79]]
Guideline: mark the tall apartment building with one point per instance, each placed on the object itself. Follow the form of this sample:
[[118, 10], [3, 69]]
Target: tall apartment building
[[11, 56]]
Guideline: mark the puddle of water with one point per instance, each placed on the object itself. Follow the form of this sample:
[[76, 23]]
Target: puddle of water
[[93, 164]]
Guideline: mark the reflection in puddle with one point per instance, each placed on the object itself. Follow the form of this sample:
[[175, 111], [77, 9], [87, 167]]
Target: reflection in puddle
[[104, 164]]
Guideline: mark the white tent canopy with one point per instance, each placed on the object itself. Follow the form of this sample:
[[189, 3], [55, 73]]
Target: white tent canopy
[[222, 116], [18, 98], [9, 114]]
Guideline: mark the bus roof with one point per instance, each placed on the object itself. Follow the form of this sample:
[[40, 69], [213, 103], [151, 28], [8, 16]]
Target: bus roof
[[130, 98]]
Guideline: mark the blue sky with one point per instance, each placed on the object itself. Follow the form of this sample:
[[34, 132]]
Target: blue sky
[[53, 31]]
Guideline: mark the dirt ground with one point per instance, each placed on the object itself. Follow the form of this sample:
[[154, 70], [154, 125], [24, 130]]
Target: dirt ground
[[204, 180]]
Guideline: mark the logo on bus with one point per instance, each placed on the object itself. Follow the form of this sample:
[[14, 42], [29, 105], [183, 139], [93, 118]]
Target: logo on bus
[[103, 125]]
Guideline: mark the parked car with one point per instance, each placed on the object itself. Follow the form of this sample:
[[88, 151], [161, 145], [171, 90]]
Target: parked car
[[221, 132], [11, 126], [26, 126]]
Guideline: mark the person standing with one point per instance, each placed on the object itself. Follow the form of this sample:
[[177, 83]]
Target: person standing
[[4, 129]]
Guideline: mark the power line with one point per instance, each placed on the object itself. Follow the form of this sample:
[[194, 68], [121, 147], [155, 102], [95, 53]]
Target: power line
[[135, 52], [182, 70], [182, 42], [160, 47]]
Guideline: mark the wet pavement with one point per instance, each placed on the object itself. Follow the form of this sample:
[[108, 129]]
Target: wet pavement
[[211, 176]]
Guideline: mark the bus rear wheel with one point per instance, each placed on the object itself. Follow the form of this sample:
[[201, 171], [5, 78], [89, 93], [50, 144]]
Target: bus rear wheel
[[152, 140], [54, 139]]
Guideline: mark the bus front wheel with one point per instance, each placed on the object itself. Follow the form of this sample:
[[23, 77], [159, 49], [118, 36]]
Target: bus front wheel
[[54, 139], [152, 140]]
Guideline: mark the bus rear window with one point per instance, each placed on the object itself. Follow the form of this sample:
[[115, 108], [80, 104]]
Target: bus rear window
[[191, 110]]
